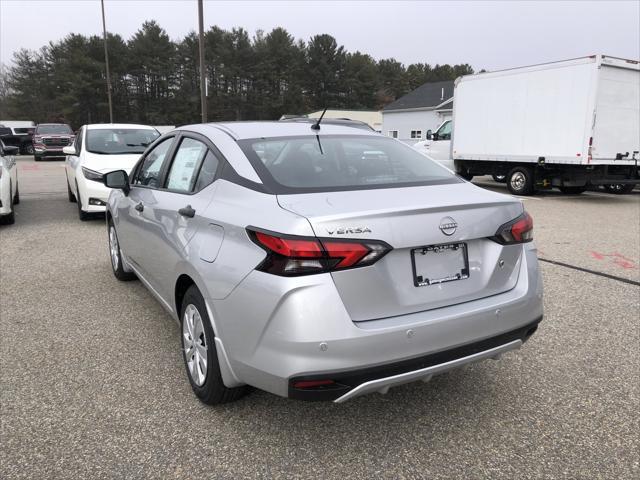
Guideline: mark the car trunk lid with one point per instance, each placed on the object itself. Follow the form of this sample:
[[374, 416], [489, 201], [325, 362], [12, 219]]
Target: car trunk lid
[[413, 278]]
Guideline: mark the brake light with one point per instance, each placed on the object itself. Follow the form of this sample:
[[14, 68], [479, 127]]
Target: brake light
[[290, 256], [518, 230]]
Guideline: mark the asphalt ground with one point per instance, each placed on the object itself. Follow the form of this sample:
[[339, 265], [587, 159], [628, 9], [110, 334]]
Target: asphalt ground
[[92, 383]]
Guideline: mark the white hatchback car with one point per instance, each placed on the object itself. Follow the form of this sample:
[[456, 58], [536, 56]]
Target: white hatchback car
[[99, 149], [9, 195]]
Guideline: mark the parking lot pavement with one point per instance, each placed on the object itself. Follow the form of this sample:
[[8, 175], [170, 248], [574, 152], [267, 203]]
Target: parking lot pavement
[[92, 382]]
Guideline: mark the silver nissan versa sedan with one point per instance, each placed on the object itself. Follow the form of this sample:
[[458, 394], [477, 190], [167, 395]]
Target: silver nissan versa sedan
[[320, 261]]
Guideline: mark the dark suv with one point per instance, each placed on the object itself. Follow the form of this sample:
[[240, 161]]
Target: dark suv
[[20, 137], [50, 138]]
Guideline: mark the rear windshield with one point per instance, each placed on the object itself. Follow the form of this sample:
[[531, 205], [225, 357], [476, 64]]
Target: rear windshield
[[118, 141], [61, 129], [340, 162]]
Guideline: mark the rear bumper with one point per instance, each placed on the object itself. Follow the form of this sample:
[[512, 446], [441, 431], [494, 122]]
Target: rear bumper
[[354, 383], [278, 330]]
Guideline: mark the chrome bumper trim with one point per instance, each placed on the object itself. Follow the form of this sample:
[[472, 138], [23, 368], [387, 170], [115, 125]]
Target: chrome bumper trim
[[382, 385]]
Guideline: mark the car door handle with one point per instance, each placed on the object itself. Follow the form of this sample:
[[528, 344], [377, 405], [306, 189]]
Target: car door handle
[[139, 207], [187, 211]]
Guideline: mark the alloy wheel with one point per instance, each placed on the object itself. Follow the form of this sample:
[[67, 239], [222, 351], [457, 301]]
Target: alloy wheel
[[195, 344], [518, 181], [114, 248]]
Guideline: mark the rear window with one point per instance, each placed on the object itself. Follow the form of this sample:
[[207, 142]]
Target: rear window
[[340, 162], [118, 141], [60, 129]]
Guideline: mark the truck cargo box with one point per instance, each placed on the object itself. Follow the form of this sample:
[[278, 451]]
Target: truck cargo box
[[584, 111]]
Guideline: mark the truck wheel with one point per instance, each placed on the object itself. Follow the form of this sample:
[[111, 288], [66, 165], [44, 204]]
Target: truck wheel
[[467, 176], [520, 181], [572, 190], [29, 149], [499, 178], [619, 189]]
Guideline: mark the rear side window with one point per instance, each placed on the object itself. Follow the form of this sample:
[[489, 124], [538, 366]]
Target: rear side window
[[340, 162], [208, 171], [184, 168]]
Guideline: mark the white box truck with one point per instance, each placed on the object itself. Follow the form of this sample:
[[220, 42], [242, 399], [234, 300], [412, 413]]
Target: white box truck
[[566, 124]]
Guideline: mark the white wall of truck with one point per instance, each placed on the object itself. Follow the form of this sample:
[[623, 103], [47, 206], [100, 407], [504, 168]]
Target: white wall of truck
[[581, 112]]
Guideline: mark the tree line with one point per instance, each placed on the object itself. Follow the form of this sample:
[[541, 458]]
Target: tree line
[[156, 80]]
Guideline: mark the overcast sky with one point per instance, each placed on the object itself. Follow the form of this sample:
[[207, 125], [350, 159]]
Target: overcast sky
[[489, 35]]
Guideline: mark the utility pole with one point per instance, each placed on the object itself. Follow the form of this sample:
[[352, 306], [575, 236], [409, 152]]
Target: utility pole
[[106, 61], [203, 85]]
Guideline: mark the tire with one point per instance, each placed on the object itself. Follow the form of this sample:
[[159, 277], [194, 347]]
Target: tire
[[499, 178], [10, 218], [28, 150], [619, 189], [115, 255], [573, 190], [16, 197], [467, 176], [520, 181], [82, 215], [195, 325], [71, 196], [37, 158]]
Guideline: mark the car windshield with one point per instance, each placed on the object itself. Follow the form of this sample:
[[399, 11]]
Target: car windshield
[[118, 141], [329, 163], [61, 129]]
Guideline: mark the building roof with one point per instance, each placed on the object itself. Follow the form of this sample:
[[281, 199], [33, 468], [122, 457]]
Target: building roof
[[427, 96]]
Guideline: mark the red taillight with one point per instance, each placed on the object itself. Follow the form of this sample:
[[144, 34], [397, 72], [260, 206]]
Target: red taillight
[[348, 253], [290, 247], [518, 230], [292, 255]]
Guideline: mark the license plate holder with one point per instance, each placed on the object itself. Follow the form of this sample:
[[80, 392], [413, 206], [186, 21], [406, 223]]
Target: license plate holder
[[437, 264]]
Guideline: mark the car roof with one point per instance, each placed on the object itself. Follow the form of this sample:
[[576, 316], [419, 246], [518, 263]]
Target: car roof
[[271, 129], [347, 122], [103, 126]]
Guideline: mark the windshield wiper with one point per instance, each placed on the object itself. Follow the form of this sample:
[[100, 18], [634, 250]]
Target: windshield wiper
[[137, 144]]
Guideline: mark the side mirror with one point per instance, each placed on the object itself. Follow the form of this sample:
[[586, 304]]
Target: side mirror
[[117, 179], [10, 150], [70, 150], [429, 135]]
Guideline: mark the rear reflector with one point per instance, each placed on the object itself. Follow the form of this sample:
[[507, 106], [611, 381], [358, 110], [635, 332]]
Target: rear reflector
[[312, 383], [290, 256], [518, 230]]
